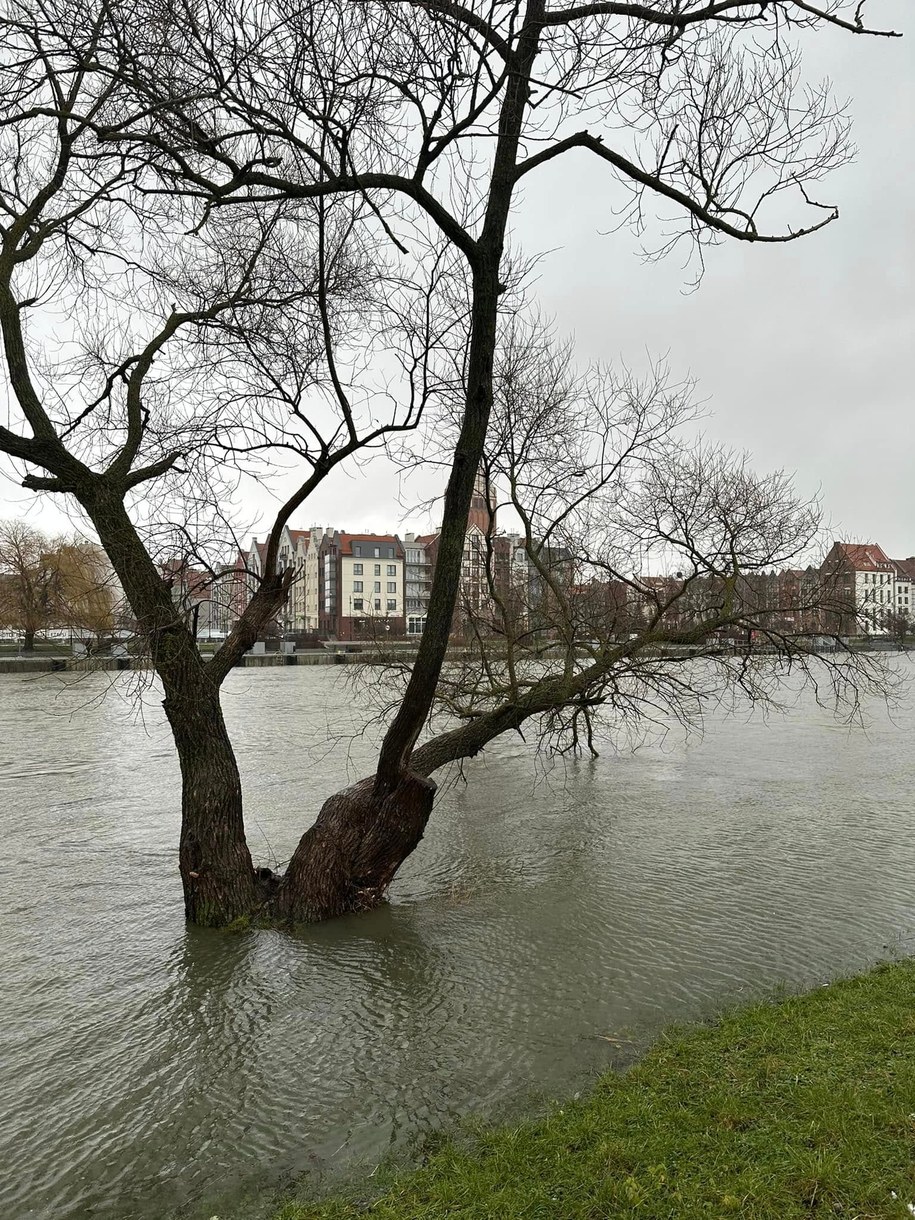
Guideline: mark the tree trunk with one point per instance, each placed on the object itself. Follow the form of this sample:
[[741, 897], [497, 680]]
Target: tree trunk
[[28, 642], [347, 860], [220, 884], [411, 716], [216, 869]]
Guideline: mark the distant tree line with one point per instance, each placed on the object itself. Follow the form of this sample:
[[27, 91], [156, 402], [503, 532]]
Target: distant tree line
[[56, 583]]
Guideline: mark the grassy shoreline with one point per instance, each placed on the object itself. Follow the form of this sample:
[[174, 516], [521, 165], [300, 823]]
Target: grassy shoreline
[[799, 1108]]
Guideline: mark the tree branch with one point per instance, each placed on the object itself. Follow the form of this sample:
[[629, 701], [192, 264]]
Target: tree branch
[[595, 144]]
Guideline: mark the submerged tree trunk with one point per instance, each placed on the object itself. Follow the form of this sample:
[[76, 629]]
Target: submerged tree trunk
[[347, 860], [216, 868], [219, 880]]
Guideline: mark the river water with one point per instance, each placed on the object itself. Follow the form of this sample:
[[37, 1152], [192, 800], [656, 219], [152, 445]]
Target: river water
[[555, 917]]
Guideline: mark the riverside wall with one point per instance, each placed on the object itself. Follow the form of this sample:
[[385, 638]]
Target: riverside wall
[[65, 664]]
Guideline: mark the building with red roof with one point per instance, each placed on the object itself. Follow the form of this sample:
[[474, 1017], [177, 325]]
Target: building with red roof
[[361, 586], [869, 591]]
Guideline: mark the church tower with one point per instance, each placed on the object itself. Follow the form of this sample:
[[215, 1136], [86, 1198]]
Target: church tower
[[481, 515]]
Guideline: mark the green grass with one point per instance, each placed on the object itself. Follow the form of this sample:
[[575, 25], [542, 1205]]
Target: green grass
[[800, 1108]]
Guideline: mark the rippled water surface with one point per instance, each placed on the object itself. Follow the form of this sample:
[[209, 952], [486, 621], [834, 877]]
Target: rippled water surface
[[152, 1071]]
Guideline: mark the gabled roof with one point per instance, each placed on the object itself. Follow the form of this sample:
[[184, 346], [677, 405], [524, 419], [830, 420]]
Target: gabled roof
[[861, 556], [906, 567], [347, 540]]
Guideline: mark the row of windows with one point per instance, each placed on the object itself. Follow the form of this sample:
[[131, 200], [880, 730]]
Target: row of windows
[[873, 596], [359, 603], [365, 548], [392, 569], [392, 586]]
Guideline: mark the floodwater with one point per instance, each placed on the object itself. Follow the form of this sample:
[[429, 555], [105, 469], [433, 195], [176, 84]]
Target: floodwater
[[148, 1070]]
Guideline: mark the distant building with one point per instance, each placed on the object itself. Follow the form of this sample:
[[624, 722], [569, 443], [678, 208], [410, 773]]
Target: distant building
[[300, 550], [484, 550], [869, 591], [194, 593], [361, 586], [419, 553], [364, 586]]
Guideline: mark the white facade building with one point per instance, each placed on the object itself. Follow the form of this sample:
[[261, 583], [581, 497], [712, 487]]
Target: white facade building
[[878, 589]]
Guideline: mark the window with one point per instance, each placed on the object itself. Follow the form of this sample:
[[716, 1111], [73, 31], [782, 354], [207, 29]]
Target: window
[[357, 603], [392, 603], [357, 586], [377, 603], [377, 553], [377, 586], [392, 569], [357, 549], [357, 569], [392, 586], [377, 569]]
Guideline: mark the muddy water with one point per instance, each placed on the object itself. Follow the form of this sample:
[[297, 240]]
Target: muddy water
[[152, 1071]]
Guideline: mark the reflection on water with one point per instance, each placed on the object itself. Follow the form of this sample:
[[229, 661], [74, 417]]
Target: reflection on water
[[150, 1070]]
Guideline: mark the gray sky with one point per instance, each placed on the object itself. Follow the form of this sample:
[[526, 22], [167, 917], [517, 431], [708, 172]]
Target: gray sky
[[802, 352]]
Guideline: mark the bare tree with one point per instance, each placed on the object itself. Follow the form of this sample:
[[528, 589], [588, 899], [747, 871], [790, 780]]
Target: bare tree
[[91, 598], [424, 117], [53, 583], [182, 355], [602, 477], [30, 592]]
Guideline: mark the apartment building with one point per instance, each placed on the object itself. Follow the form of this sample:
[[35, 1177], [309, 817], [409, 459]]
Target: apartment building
[[870, 591], [362, 587], [300, 550], [419, 557]]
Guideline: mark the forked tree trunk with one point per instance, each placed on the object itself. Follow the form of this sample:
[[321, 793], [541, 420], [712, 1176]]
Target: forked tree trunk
[[216, 868], [347, 860]]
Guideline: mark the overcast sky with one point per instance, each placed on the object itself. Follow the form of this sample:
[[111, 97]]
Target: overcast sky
[[803, 352]]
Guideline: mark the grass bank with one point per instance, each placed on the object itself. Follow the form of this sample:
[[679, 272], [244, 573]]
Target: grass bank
[[800, 1108]]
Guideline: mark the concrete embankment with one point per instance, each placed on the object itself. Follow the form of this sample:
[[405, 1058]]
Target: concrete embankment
[[322, 656], [66, 664]]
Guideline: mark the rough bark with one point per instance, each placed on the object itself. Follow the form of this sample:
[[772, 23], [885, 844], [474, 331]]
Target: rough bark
[[216, 868], [347, 860]]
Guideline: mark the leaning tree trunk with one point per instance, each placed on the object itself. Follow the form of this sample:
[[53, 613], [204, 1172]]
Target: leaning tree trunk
[[220, 884], [217, 874], [347, 860]]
